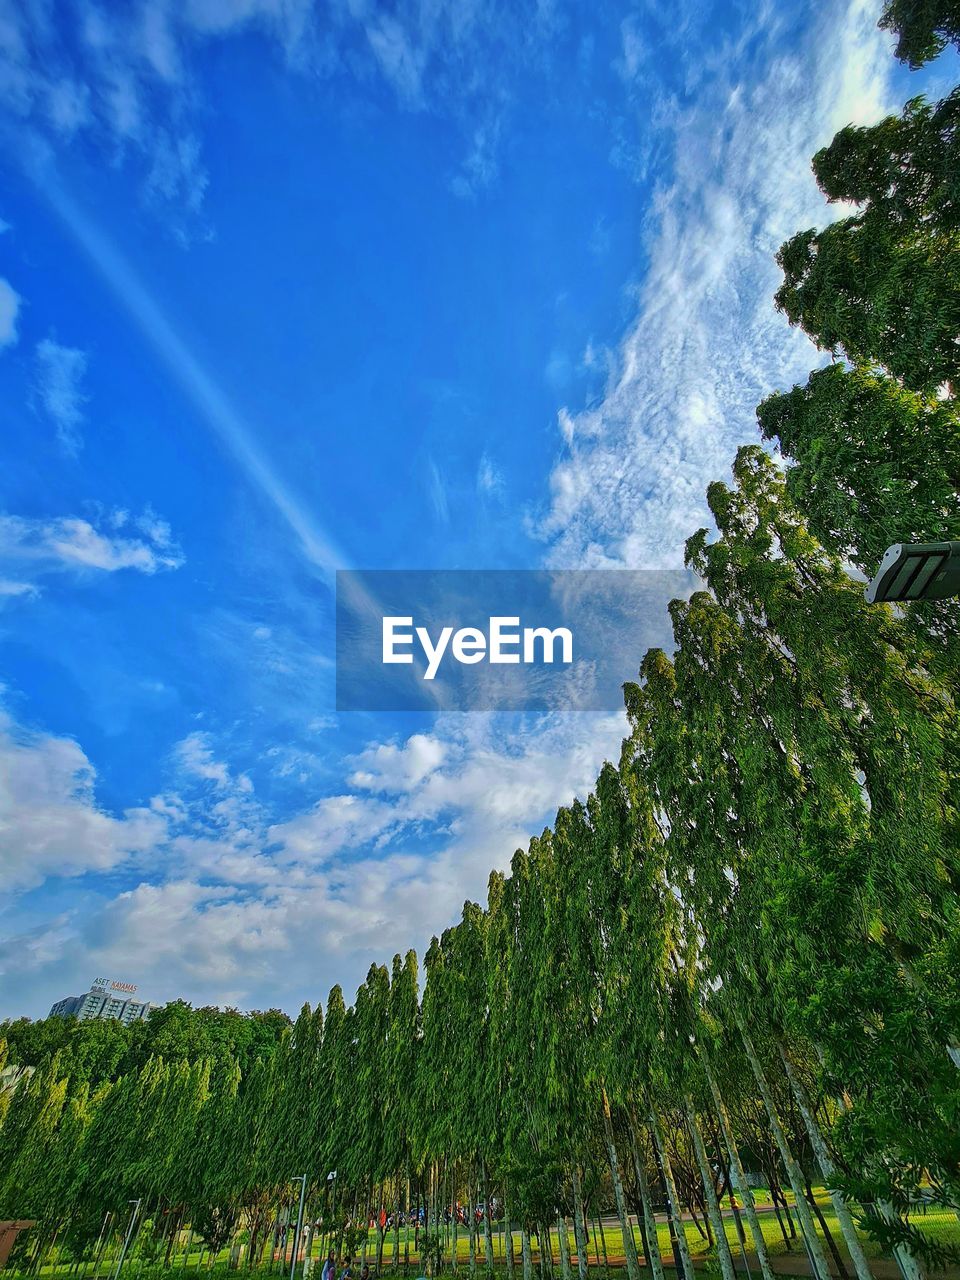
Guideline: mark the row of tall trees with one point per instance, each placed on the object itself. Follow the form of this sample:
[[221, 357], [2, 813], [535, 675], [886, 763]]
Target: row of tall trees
[[740, 953]]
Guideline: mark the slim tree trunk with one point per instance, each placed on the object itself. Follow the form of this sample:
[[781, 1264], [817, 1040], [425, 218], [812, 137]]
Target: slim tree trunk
[[396, 1223], [186, 1252], [654, 1261], [578, 1230], [487, 1230], [603, 1245], [738, 1174], [831, 1243], [472, 1224], [828, 1170], [910, 1268], [814, 1247], [454, 1224], [713, 1208], [564, 1241], [527, 1259], [508, 1238], [546, 1250], [673, 1201], [596, 1243], [782, 1209], [629, 1244]]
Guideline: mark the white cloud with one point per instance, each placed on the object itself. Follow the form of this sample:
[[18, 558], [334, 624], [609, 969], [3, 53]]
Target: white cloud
[[50, 822], [60, 372], [707, 344], [437, 489], [399, 60], [195, 755], [392, 768], [125, 76], [253, 909], [334, 825], [481, 165], [9, 311], [8, 587], [35, 548], [252, 912], [176, 171], [489, 477]]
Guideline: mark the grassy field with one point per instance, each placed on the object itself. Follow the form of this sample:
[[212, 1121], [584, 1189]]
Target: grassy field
[[940, 1225]]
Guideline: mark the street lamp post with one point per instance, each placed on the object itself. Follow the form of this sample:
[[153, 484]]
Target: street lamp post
[[100, 1246], [126, 1241], [332, 1178], [302, 1179], [916, 571]]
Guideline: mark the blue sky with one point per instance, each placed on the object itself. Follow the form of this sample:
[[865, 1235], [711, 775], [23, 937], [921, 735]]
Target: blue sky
[[291, 286]]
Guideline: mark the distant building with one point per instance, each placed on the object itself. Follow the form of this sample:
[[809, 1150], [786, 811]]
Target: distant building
[[105, 999]]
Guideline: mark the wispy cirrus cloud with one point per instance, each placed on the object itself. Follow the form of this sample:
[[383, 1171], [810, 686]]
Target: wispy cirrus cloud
[[9, 312], [195, 755], [126, 77], [706, 344], [59, 389], [32, 548]]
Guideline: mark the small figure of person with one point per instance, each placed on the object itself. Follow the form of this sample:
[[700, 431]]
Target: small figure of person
[[329, 1271]]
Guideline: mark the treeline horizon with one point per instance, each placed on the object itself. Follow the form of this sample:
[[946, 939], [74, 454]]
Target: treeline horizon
[[740, 953]]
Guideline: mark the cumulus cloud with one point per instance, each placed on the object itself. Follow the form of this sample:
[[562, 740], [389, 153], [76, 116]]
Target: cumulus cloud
[[250, 911], [398, 767], [706, 344], [59, 389], [33, 548], [50, 821]]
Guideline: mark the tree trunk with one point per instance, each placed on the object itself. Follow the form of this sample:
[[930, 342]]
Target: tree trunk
[[673, 1202], [629, 1244], [828, 1170], [578, 1230], [546, 1255], [654, 1261], [472, 1224], [780, 1207], [910, 1268], [454, 1225], [713, 1208], [508, 1238], [814, 1247], [596, 1243], [831, 1243], [487, 1229], [603, 1246], [564, 1241], [527, 1260], [738, 1174], [396, 1222]]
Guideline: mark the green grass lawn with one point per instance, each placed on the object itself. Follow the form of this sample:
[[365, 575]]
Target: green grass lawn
[[940, 1225]]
